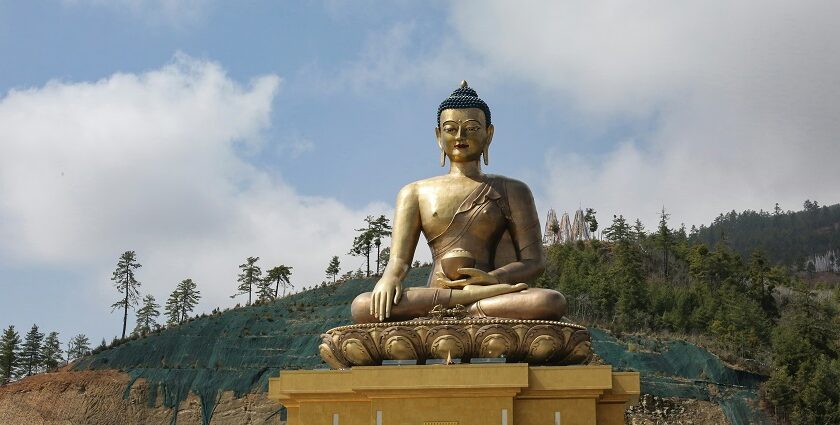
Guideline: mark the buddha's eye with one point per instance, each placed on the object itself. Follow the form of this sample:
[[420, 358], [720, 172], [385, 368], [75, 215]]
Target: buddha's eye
[[449, 130], [473, 129]]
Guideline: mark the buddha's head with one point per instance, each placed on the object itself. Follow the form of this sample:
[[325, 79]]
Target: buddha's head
[[464, 131]]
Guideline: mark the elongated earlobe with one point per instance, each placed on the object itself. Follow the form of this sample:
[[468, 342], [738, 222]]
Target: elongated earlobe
[[486, 155], [442, 158]]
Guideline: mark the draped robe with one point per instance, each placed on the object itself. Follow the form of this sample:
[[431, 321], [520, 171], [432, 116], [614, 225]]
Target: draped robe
[[484, 215]]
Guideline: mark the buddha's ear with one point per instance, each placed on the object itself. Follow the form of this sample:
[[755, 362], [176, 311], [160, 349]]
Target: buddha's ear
[[486, 152], [440, 145]]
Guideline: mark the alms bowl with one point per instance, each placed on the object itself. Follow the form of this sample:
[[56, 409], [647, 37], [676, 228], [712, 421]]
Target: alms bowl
[[454, 260]]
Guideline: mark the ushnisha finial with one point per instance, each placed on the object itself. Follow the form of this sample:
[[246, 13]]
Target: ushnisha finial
[[462, 98]]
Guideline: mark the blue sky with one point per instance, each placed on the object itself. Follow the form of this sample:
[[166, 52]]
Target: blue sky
[[198, 133]]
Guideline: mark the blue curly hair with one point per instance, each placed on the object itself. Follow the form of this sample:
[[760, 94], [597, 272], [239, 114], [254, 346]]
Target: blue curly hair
[[463, 97]]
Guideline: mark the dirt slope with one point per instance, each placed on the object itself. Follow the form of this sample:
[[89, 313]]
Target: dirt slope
[[96, 398]]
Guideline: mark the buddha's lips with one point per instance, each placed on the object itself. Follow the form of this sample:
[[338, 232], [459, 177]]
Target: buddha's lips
[[462, 146]]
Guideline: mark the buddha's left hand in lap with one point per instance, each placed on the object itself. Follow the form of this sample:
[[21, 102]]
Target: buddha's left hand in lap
[[474, 277]]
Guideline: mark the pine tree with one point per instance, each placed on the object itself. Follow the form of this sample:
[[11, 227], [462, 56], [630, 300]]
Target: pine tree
[[189, 297], [384, 257], [78, 347], [126, 284], [762, 283], [638, 231], [172, 309], [182, 301], [380, 228], [618, 231], [334, 268], [30, 353], [279, 276], [554, 228], [146, 316], [9, 351], [665, 239], [51, 352], [363, 242], [264, 291], [627, 275], [250, 277], [589, 218]]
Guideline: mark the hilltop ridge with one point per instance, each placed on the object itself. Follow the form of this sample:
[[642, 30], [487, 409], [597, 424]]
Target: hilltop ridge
[[790, 238]]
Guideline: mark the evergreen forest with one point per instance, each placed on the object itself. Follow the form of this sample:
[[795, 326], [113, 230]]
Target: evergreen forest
[[789, 238], [737, 287]]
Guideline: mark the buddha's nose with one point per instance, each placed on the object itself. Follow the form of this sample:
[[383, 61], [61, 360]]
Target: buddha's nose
[[460, 133]]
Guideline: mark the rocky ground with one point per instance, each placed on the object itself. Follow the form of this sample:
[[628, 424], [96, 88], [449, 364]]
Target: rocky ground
[[96, 397], [653, 410]]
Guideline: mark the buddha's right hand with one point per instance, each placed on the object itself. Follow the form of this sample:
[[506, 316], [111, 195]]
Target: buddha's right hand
[[385, 294]]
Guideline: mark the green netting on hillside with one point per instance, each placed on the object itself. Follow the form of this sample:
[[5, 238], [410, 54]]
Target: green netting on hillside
[[681, 369], [239, 349]]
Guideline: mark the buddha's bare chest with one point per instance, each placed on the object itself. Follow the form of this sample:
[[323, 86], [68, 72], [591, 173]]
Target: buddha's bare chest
[[439, 202]]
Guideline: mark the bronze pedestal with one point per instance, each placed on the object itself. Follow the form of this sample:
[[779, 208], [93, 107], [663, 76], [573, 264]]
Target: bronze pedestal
[[536, 342]]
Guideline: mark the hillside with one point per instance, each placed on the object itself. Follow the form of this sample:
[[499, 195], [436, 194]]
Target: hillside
[[787, 238], [217, 367]]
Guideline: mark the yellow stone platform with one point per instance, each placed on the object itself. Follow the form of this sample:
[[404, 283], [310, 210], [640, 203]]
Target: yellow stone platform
[[462, 394]]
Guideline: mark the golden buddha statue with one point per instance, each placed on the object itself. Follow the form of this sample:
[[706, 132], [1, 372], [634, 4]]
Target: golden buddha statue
[[486, 223]]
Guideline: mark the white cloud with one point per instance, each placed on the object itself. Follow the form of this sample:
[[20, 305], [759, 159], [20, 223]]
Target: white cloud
[[148, 162], [403, 55], [741, 98]]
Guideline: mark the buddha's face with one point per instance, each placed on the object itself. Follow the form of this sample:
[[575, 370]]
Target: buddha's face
[[463, 134]]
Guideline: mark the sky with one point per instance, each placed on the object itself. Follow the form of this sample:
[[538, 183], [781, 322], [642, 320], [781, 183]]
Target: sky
[[198, 133]]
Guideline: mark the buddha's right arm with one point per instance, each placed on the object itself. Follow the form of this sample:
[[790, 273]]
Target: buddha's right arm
[[404, 238]]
